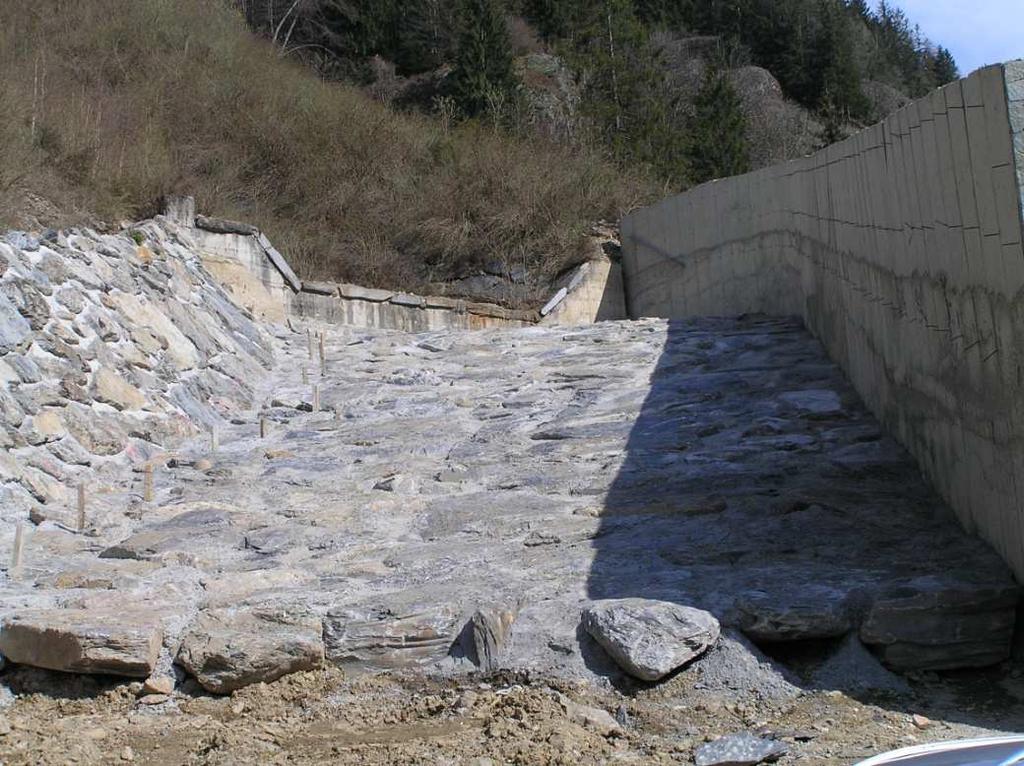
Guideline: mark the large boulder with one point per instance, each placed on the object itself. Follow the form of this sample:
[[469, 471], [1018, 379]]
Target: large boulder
[[228, 650], [116, 642], [943, 629], [650, 639], [806, 613]]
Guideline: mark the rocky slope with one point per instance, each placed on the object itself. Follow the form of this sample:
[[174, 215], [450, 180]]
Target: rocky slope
[[601, 505], [112, 348]]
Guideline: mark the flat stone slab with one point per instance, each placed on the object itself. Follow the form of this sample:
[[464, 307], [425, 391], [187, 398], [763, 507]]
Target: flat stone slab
[[407, 299], [357, 292], [942, 629], [388, 638], [319, 288], [120, 643], [650, 639], [810, 613], [225, 226]]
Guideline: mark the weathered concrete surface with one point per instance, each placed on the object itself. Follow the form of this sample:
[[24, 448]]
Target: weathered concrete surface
[[901, 249], [593, 293], [260, 279]]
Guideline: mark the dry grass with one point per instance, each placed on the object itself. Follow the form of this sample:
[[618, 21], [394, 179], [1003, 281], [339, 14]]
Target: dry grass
[[110, 104]]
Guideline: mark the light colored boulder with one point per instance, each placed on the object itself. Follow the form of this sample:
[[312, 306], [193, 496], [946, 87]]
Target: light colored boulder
[[43, 427], [491, 626], [14, 328], [228, 650], [116, 642], [650, 639]]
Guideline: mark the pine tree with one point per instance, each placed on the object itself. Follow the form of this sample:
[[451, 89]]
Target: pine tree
[[837, 80], [553, 18], [627, 104], [665, 13], [944, 67], [426, 36], [483, 61], [718, 142]]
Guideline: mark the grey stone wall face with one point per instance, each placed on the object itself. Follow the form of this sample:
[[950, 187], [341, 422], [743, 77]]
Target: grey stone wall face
[[901, 249]]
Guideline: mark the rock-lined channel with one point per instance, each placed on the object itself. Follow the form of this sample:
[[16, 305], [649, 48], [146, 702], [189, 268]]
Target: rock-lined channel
[[539, 499]]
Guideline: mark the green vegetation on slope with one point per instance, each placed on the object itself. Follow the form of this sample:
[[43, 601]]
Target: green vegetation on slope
[[108, 105], [844, 61]]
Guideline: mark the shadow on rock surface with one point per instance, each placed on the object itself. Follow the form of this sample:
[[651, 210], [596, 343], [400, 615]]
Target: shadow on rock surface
[[757, 486]]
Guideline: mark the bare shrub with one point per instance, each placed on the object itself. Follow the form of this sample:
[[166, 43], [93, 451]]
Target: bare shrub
[[151, 97]]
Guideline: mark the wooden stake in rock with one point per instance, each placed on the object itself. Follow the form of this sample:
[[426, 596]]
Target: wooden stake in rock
[[323, 357], [263, 428], [19, 544], [316, 397], [147, 483], [309, 337], [81, 507]]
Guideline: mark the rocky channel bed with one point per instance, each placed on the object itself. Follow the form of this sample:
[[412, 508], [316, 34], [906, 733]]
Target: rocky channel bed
[[540, 531]]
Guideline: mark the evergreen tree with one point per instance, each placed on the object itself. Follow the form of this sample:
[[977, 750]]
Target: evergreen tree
[[718, 142], [837, 80], [553, 18], [665, 13], [483, 60], [627, 103], [944, 67], [426, 37]]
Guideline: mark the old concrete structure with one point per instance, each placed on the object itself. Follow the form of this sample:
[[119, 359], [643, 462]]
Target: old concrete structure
[[901, 249], [260, 278]]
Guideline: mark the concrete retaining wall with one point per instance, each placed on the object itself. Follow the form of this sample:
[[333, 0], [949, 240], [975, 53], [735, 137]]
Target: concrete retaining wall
[[362, 307], [260, 279], [901, 248], [594, 293]]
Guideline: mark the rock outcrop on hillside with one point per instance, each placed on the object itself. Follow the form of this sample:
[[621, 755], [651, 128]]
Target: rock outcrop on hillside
[[112, 348]]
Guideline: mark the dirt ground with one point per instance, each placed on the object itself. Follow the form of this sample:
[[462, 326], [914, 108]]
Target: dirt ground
[[326, 717]]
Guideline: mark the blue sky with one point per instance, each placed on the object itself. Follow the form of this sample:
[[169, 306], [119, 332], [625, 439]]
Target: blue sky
[[978, 32]]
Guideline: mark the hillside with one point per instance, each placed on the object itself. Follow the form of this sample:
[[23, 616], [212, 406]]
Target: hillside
[[110, 105], [687, 90], [428, 145]]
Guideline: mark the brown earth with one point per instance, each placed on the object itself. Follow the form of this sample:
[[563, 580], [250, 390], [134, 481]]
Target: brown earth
[[328, 717]]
